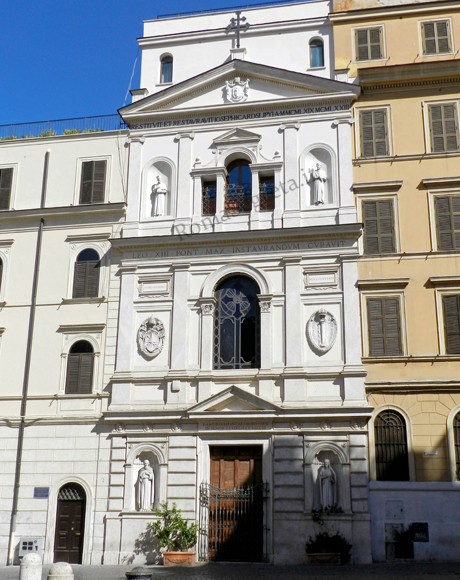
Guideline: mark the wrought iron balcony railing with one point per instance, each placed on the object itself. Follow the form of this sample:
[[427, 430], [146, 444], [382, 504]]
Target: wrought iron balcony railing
[[61, 127]]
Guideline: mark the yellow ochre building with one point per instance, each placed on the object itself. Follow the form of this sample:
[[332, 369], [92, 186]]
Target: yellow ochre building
[[405, 55]]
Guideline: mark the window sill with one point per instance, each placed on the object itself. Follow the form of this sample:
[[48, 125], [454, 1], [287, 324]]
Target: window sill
[[415, 359], [383, 59], [436, 54], [92, 300], [316, 68], [164, 84]]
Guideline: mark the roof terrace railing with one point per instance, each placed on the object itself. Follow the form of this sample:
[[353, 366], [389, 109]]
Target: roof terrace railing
[[61, 127], [231, 8]]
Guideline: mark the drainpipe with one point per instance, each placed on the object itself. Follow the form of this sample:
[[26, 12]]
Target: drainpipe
[[25, 384]]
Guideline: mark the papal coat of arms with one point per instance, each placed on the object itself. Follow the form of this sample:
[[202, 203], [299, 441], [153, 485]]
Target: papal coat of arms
[[151, 337], [237, 91], [322, 331]]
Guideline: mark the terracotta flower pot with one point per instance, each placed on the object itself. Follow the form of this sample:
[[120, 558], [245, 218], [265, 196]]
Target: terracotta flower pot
[[179, 558], [324, 558]]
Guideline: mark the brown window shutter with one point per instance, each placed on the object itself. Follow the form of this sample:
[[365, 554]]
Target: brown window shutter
[[375, 43], [362, 44], [443, 127], [86, 372], [374, 134], [6, 182], [379, 233], [452, 323], [73, 367], [384, 326], [448, 222], [443, 36], [93, 181], [86, 279], [371, 227]]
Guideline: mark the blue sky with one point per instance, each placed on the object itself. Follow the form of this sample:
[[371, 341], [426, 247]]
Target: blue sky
[[74, 58]]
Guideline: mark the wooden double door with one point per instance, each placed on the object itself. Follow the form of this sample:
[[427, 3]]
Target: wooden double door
[[236, 504], [70, 524]]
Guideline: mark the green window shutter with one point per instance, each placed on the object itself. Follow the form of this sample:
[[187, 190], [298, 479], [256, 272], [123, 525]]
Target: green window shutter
[[379, 233], [374, 133], [73, 367], [443, 127], [452, 323], [443, 36], [362, 44], [86, 373], [86, 279], [6, 183], [436, 37], [429, 38], [384, 326], [79, 280], [375, 43], [368, 43], [92, 181]]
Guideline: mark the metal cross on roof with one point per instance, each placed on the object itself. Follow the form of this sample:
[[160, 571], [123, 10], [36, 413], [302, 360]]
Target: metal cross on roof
[[236, 25]]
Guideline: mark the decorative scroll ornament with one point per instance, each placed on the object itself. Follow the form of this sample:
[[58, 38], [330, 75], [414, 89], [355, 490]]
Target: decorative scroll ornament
[[322, 331], [151, 337], [237, 91], [265, 306]]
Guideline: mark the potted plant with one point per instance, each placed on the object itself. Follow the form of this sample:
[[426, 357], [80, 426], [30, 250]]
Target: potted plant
[[175, 535], [327, 549]]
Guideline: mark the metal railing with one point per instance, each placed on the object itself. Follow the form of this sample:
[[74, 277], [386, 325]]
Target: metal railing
[[61, 127], [238, 198], [208, 196], [231, 8]]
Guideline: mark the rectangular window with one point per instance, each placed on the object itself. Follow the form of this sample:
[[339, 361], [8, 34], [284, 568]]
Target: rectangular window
[[451, 308], [436, 37], [443, 127], [374, 133], [6, 183], [384, 326], [448, 222], [208, 196], [368, 43], [267, 192], [92, 187], [379, 230]]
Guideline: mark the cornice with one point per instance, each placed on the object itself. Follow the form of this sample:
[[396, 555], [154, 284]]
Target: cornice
[[441, 181], [377, 185], [75, 136], [63, 211], [393, 158], [68, 328], [386, 12], [445, 280], [383, 282]]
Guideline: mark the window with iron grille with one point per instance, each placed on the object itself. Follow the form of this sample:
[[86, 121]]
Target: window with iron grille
[[391, 453], [80, 363], [86, 275], [456, 427], [92, 188], [447, 210], [208, 197], [451, 309], [267, 192], [369, 43], [238, 191], [443, 127], [166, 69], [384, 326], [379, 226], [373, 127], [6, 183], [436, 37], [237, 324]]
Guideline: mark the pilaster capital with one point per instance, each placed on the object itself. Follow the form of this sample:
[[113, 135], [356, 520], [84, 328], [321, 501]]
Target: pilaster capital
[[180, 136], [348, 121], [207, 305], [137, 139], [285, 126]]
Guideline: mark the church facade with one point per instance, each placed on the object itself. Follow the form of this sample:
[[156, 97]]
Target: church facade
[[238, 350]]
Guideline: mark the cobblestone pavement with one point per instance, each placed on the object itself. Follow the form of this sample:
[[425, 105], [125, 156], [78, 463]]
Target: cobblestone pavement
[[411, 571]]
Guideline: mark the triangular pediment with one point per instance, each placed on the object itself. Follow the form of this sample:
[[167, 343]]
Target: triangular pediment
[[237, 136], [234, 400], [207, 92]]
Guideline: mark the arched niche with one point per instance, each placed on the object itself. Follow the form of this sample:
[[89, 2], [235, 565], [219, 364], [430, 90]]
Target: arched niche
[[164, 169], [315, 457], [310, 157], [135, 461]]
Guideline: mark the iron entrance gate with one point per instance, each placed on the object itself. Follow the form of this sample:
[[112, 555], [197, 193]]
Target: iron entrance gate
[[232, 523]]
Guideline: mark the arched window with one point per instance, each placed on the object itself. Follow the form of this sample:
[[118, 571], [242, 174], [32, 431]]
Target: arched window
[[80, 366], [1, 272], [237, 324], [238, 194], [391, 455], [86, 275], [166, 69], [457, 444], [316, 53]]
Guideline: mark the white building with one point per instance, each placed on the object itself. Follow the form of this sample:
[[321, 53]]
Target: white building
[[236, 323]]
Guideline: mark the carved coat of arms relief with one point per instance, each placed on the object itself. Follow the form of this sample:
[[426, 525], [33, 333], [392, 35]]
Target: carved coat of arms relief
[[151, 337], [322, 331], [237, 91]]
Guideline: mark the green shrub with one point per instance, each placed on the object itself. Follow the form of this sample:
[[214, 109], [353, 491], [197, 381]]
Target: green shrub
[[48, 134], [93, 130], [172, 531], [71, 131]]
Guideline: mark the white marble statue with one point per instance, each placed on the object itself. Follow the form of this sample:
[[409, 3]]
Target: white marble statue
[[159, 192], [145, 489], [319, 178], [327, 485]]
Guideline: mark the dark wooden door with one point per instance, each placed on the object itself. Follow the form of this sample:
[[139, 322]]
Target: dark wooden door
[[70, 522], [236, 504]]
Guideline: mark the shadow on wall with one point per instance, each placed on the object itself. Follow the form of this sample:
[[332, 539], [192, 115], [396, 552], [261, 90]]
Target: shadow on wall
[[145, 545]]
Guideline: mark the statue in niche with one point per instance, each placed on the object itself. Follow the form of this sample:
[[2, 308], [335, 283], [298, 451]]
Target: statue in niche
[[159, 192], [327, 485], [145, 489], [319, 178]]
